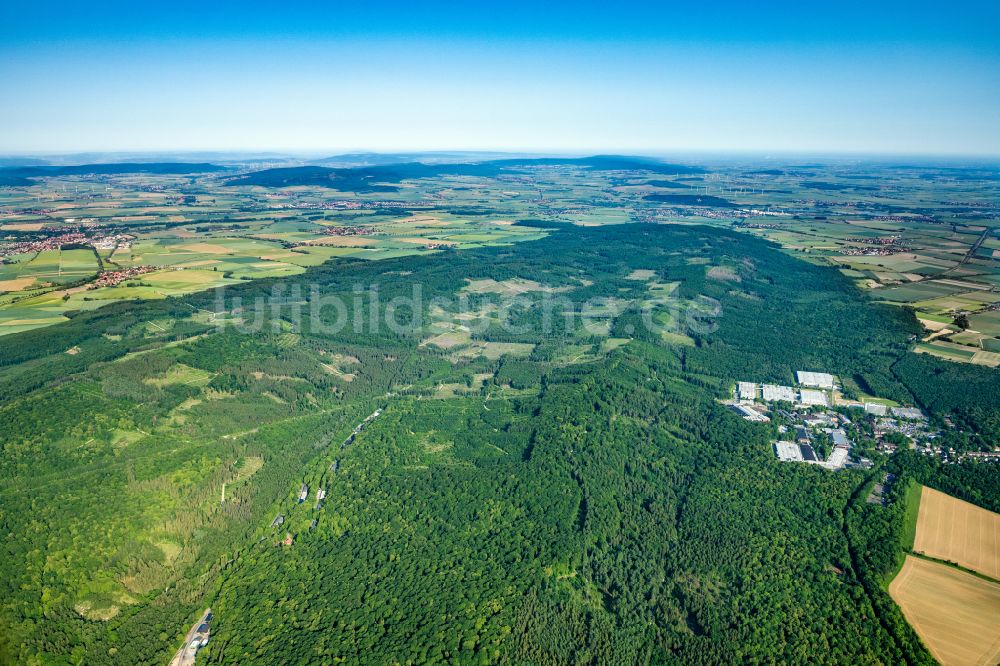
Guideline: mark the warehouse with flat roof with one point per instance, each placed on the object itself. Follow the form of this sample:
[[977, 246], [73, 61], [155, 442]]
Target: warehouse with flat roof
[[816, 379], [750, 414], [876, 409], [788, 451], [773, 393], [812, 397], [837, 459], [910, 413], [747, 390]]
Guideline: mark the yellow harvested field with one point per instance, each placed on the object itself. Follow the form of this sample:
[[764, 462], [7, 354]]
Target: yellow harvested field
[[202, 262], [956, 531], [28, 322], [17, 284], [23, 226], [932, 325], [989, 359], [207, 248], [953, 612], [424, 241]]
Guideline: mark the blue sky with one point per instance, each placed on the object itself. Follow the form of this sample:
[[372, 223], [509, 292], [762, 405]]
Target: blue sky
[[568, 77]]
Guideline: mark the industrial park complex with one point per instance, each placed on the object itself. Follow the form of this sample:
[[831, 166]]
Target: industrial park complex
[[813, 419]]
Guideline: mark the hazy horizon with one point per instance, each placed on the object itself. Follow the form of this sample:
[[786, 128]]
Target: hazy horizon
[[313, 155]]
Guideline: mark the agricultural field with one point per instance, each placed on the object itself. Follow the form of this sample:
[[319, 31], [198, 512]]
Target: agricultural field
[[948, 587], [920, 237], [933, 254], [955, 613], [955, 531], [917, 236], [201, 234]]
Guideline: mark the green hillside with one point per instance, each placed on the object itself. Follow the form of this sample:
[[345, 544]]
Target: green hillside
[[546, 495]]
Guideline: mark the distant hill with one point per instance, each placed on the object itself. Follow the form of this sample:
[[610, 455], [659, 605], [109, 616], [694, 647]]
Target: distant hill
[[14, 181], [668, 183], [118, 167], [692, 200], [361, 179], [383, 178], [21, 161], [604, 163], [366, 159], [21, 175]]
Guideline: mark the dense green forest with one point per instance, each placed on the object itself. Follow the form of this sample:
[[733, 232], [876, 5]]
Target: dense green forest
[[559, 489]]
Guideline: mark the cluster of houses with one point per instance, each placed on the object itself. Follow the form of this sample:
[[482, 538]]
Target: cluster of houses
[[113, 242], [350, 231], [335, 204], [112, 278], [63, 238], [43, 244]]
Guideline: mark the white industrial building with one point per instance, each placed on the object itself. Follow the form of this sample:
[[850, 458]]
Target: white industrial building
[[773, 393], [750, 414], [747, 390], [812, 397], [837, 459], [910, 413], [816, 379], [793, 452], [788, 451], [875, 408]]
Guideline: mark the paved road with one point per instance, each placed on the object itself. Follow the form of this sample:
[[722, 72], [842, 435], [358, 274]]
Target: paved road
[[192, 642]]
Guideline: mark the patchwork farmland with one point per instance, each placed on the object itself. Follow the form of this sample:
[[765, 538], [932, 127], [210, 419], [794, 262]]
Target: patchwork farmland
[[953, 611]]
